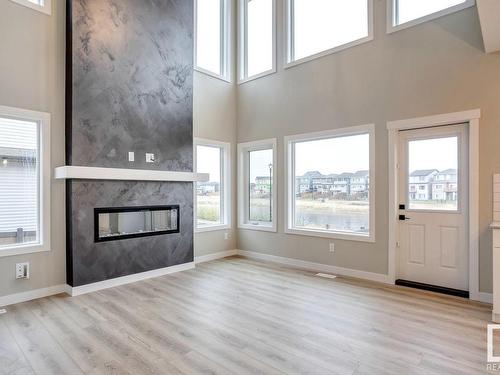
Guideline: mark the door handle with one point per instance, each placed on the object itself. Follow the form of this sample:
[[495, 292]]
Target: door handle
[[403, 218]]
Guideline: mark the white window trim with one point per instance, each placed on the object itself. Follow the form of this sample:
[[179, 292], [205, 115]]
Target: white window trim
[[288, 45], [242, 44], [46, 8], [226, 40], [391, 15], [225, 189], [290, 182], [43, 119], [243, 149]]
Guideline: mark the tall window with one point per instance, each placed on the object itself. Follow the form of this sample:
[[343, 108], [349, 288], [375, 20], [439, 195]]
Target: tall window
[[319, 27], [407, 13], [330, 183], [257, 185], [213, 196], [212, 37], [40, 5], [24, 185], [257, 38]]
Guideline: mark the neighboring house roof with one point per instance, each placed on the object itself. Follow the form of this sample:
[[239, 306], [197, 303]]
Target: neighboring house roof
[[311, 174], [361, 174], [345, 175], [423, 172], [448, 171]]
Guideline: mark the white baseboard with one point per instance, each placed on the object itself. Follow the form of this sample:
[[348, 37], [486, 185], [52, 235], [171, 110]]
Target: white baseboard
[[318, 267], [214, 256], [12, 299], [484, 297], [100, 285]]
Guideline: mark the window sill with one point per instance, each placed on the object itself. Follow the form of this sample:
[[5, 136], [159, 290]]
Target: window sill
[[332, 235], [328, 52], [262, 228], [21, 250], [257, 76], [46, 8], [213, 75], [212, 228]]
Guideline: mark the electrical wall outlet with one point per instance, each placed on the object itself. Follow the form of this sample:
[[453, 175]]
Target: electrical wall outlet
[[227, 235], [150, 158], [332, 247], [131, 156], [22, 270]]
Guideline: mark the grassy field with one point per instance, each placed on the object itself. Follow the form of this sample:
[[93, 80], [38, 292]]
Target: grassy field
[[208, 208]]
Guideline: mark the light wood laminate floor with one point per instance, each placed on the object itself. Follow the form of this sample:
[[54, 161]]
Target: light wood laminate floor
[[239, 316]]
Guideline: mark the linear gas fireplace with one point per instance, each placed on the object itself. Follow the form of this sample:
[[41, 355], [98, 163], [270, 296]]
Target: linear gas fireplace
[[117, 223]]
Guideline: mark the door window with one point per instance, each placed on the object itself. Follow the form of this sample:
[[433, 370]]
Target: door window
[[432, 174]]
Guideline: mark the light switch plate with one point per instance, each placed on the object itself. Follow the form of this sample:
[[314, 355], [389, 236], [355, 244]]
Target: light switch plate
[[22, 270]]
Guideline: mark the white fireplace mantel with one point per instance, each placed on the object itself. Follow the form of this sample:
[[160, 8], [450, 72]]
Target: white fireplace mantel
[[99, 173]]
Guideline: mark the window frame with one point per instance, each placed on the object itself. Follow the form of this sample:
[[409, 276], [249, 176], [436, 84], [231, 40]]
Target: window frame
[[225, 57], [290, 182], [225, 188], [392, 27], [46, 8], [243, 186], [243, 45], [44, 181], [288, 35]]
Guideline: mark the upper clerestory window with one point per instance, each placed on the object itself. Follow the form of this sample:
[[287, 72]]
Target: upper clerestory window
[[315, 28], [402, 14], [43, 6]]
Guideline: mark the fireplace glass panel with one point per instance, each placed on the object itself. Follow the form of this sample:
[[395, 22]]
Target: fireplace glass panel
[[135, 222]]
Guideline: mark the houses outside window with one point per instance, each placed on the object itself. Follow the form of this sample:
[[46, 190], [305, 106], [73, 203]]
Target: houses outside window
[[24, 181], [330, 184], [257, 185], [433, 189], [213, 197]]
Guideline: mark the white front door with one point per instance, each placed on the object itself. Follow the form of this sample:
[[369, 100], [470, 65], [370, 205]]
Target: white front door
[[433, 197]]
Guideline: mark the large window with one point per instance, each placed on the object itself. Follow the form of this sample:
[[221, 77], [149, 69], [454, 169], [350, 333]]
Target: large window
[[24, 181], [319, 27], [40, 5], [257, 44], [257, 185], [330, 184], [406, 13], [212, 37], [213, 196]]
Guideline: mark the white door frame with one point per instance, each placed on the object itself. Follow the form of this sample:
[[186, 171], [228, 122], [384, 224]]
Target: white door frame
[[467, 117]]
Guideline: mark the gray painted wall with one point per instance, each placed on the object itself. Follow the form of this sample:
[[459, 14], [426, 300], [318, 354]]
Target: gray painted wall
[[29, 36], [437, 67], [32, 77], [215, 119]]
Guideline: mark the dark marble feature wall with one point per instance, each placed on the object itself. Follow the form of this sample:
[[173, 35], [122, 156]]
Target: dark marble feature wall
[[132, 83], [129, 88], [104, 260]]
